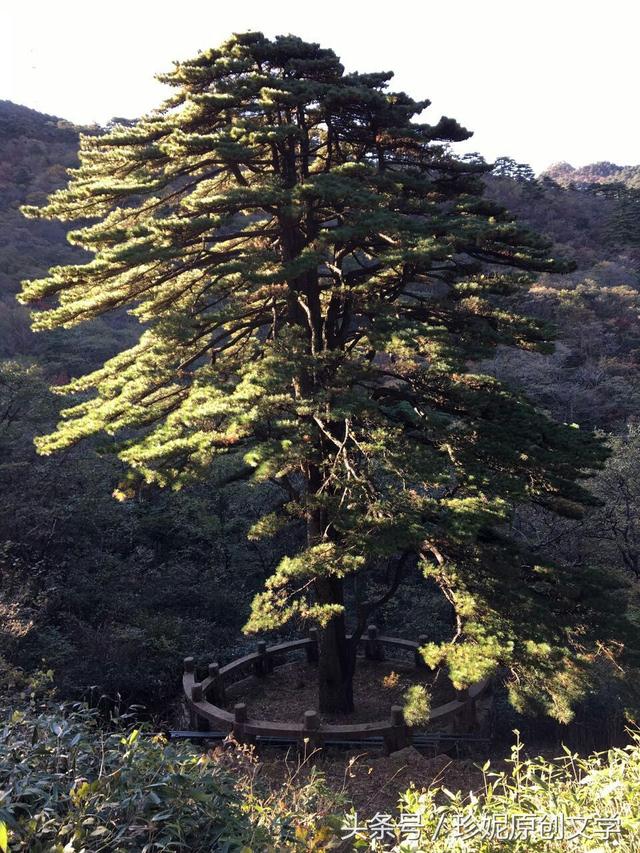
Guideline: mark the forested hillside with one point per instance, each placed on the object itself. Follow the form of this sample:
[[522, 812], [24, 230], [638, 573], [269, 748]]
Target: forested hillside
[[111, 594], [592, 377], [594, 173]]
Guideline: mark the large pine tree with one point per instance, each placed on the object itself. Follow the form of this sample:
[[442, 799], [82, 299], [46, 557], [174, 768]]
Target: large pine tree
[[315, 273]]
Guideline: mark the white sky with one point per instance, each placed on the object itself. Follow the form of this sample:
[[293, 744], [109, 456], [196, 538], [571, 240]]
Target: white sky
[[537, 80]]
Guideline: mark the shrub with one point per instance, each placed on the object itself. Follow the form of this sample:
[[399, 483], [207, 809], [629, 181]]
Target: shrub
[[554, 797], [70, 785], [417, 705]]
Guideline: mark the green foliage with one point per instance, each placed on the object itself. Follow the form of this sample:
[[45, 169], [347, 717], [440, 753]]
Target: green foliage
[[417, 705], [113, 594], [35, 152], [275, 606], [605, 785], [70, 785]]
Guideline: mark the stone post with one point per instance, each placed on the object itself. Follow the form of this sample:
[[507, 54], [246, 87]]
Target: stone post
[[311, 729], [239, 720], [261, 666], [312, 648], [201, 724], [397, 737], [189, 668], [419, 660], [373, 647], [218, 694], [464, 720]]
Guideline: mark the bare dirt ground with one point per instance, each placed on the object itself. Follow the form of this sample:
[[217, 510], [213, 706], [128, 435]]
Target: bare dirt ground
[[372, 782], [292, 689], [369, 782]]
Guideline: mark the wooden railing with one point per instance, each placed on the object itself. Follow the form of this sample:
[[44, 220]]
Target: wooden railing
[[205, 698]]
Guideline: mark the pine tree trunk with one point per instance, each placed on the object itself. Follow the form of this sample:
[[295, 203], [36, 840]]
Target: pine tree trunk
[[336, 660], [336, 664]]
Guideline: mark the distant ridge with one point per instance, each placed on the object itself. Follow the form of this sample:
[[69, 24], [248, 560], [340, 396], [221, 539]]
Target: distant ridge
[[602, 172], [16, 121]]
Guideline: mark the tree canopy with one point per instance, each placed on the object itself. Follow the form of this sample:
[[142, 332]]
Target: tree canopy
[[316, 273]]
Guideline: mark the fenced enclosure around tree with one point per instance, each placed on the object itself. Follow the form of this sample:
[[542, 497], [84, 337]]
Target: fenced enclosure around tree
[[205, 698]]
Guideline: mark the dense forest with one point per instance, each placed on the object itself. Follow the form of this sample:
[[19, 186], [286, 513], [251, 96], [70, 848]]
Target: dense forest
[[164, 561], [107, 582]]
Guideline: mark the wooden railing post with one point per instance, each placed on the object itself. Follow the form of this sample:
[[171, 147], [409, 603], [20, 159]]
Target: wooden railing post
[[312, 647], [261, 666], [465, 719], [201, 724], [397, 737], [373, 647], [189, 668], [419, 660], [218, 693], [311, 729], [239, 719]]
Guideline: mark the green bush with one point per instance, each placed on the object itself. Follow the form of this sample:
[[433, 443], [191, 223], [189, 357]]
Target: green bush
[[70, 785], [570, 804]]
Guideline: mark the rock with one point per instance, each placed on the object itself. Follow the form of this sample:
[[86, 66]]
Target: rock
[[409, 758], [407, 755]]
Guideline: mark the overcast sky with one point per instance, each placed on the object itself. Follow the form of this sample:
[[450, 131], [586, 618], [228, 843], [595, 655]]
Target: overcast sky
[[537, 80]]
